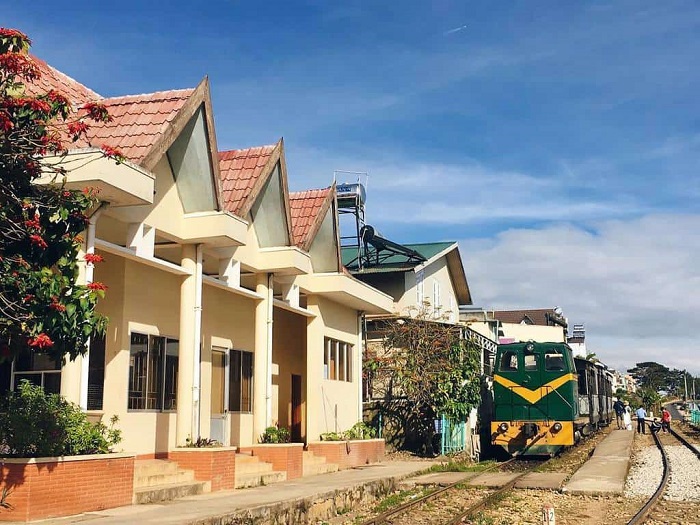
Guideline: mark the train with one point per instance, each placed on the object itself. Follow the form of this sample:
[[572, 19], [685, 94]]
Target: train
[[546, 399]]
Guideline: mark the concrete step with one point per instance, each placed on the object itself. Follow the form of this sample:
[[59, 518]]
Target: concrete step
[[149, 467], [171, 491], [180, 476], [314, 465], [256, 479], [251, 465]]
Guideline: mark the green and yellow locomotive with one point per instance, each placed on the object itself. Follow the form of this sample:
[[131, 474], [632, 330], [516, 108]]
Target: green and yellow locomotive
[[544, 399]]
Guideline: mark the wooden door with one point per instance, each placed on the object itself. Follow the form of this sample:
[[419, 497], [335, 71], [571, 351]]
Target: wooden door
[[296, 408]]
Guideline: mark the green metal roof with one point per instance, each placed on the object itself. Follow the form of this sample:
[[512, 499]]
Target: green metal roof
[[398, 262]]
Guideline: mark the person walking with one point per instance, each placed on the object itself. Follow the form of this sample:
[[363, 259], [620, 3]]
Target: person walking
[[641, 416], [665, 420], [627, 416], [619, 408]]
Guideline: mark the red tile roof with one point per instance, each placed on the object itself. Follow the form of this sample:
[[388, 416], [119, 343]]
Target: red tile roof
[[305, 207], [53, 79], [137, 122], [240, 170]]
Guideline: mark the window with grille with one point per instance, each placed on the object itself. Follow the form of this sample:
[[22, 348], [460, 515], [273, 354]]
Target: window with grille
[[337, 360], [153, 367], [241, 381]]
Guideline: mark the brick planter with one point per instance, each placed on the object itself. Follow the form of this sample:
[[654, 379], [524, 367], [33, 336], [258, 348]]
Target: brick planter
[[214, 464], [52, 487], [285, 457], [349, 454]]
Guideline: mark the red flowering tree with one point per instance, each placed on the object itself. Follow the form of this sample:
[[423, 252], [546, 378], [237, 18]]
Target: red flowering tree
[[42, 306]]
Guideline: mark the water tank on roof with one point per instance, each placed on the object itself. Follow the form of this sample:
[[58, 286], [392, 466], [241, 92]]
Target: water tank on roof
[[351, 194]]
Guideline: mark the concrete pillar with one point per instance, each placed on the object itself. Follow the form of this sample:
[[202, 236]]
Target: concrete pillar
[[185, 374], [262, 374], [316, 420]]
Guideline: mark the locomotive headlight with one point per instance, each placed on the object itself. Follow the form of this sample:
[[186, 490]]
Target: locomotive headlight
[[556, 427], [503, 427]]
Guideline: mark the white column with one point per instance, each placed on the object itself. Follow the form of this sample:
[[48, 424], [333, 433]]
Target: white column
[[230, 272], [185, 374], [314, 371], [262, 373]]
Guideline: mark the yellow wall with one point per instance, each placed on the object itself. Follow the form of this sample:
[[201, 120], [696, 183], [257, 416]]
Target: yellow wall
[[228, 321], [331, 405], [145, 300]]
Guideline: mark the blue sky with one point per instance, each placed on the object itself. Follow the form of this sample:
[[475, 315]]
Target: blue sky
[[506, 126]]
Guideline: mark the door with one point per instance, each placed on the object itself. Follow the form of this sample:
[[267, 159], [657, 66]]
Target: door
[[219, 405], [296, 408]]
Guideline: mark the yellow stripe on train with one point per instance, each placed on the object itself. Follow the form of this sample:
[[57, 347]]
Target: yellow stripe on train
[[514, 440], [533, 396]]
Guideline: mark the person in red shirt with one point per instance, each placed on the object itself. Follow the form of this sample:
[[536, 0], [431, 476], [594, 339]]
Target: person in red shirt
[[666, 420]]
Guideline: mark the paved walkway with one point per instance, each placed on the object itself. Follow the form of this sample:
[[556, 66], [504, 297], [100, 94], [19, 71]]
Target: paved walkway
[[216, 507], [605, 472]]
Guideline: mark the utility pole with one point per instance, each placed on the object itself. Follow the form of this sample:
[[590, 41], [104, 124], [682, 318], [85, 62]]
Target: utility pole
[[685, 382]]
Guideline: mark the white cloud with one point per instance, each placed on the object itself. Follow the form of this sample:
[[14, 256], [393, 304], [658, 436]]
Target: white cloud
[[634, 283]]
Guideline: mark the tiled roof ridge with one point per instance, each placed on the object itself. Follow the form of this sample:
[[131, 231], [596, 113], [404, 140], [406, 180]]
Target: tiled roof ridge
[[225, 154], [303, 194], [66, 78], [165, 95]]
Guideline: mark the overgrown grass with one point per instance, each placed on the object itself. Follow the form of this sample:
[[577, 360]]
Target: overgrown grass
[[398, 498], [462, 466]]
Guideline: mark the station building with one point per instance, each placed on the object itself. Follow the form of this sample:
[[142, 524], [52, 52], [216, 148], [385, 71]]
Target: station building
[[229, 308]]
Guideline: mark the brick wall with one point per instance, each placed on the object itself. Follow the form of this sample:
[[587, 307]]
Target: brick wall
[[217, 465], [48, 487], [287, 457], [349, 454]]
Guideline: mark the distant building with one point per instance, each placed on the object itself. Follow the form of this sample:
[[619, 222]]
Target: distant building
[[577, 340], [544, 325]]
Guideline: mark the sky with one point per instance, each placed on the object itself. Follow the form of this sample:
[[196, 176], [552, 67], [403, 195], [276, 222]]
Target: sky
[[557, 141]]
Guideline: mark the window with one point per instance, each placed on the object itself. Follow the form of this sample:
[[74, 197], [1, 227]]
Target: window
[[437, 304], [509, 362], [337, 360], [240, 395], [554, 362], [530, 361], [39, 369], [153, 367], [419, 288]]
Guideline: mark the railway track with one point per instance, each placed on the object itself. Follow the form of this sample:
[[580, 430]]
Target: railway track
[[660, 510], [452, 504]]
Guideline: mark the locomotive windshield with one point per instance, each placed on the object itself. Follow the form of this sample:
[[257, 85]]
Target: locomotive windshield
[[554, 362], [509, 362]]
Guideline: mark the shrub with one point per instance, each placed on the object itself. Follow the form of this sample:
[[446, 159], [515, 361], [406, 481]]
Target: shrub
[[275, 434], [36, 424], [358, 431], [201, 442]]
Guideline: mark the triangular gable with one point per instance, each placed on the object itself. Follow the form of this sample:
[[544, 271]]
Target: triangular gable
[[245, 178], [143, 127], [315, 226]]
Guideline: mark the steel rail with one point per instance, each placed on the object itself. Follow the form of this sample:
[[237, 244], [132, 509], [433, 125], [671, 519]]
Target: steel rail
[[484, 502], [641, 516], [405, 507]]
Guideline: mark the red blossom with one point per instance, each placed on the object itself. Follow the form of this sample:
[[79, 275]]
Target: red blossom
[[5, 123], [13, 33], [33, 223], [93, 258], [19, 64], [66, 194], [38, 241], [57, 306], [97, 111], [77, 128], [41, 341], [28, 298], [112, 153], [97, 286], [57, 98]]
